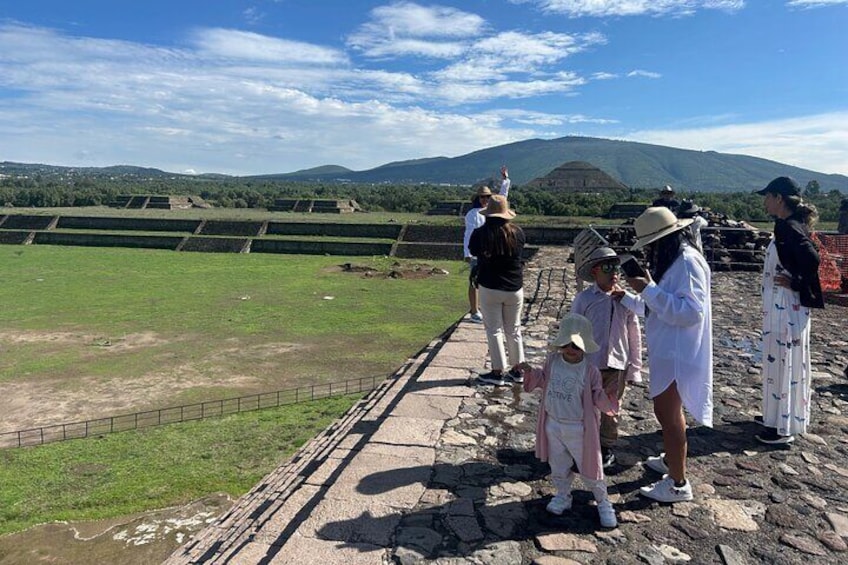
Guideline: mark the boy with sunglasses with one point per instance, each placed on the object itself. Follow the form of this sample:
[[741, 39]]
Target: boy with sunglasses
[[573, 398], [616, 331]]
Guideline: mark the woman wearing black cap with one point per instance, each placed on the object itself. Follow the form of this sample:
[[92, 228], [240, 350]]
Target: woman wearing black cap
[[790, 288]]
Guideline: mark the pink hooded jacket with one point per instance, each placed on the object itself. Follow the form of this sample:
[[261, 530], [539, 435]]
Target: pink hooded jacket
[[595, 400]]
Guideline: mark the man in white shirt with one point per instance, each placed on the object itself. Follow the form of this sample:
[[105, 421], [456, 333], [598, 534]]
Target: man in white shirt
[[505, 182], [473, 220]]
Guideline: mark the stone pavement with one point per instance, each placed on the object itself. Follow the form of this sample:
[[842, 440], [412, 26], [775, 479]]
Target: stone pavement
[[433, 467]]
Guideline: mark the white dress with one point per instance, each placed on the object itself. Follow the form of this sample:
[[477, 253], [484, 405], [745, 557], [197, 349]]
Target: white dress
[[679, 333], [786, 353]]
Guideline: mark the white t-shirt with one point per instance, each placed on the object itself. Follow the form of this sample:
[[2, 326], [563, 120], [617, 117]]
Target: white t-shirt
[[564, 397]]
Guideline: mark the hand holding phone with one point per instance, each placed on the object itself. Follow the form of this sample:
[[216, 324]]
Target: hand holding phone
[[631, 267]]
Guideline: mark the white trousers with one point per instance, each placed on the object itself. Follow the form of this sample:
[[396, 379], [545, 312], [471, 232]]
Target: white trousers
[[502, 319], [565, 446]]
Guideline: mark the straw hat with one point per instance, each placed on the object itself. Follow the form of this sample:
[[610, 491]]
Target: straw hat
[[599, 255], [576, 329], [498, 208], [484, 191], [656, 223]]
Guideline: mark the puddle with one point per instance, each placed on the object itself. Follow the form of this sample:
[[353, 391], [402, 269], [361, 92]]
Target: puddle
[[139, 539]]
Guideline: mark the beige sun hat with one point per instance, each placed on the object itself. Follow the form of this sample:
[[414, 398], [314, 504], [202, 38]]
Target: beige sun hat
[[575, 329], [484, 191], [599, 255], [498, 208], [656, 223]]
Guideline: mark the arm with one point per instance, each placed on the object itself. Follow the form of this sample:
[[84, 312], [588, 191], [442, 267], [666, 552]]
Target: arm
[[797, 253], [579, 304], [683, 305], [470, 226], [534, 377], [633, 373], [474, 243], [606, 403], [505, 184], [633, 302]]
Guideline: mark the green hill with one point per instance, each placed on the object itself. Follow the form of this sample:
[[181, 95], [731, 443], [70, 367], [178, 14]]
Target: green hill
[[638, 165]]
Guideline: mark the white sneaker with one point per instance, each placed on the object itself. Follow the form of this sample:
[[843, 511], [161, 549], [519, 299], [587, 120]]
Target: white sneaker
[[607, 514], [657, 464], [559, 504], [477, 318], [665, 491]]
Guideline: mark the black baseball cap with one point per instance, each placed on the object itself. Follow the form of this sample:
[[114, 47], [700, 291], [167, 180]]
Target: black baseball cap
[[785, 186]]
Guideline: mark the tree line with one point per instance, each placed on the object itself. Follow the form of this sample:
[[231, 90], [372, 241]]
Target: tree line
[[49, 191]]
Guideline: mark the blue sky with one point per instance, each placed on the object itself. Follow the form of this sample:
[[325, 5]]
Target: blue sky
[[265, 86]]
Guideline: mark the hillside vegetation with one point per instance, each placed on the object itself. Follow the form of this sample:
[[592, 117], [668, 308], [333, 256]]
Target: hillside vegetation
[[637, 165]]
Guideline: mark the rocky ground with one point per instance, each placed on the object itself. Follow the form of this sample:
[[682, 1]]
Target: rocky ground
[[754, 504]]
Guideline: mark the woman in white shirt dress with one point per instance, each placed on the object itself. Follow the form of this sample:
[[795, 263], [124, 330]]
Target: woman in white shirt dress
[[678, 331]]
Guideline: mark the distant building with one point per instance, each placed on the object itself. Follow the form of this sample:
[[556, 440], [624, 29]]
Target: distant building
[[577, 176]]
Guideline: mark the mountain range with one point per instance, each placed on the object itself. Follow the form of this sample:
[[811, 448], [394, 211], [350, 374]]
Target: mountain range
[[637, 165]]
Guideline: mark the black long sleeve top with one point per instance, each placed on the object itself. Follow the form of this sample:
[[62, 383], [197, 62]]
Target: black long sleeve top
[[800, 258]]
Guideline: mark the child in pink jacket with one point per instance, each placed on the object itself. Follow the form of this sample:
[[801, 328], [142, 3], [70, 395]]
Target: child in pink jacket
[[569, 415]]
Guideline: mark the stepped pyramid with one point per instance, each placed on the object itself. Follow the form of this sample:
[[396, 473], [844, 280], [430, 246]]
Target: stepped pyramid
[[577, 176]]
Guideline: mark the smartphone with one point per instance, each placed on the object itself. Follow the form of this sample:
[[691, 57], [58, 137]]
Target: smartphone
[[631, 267]]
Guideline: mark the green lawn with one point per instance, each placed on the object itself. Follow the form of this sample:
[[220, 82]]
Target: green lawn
[[279, 320], [129, 472], [151, 329]]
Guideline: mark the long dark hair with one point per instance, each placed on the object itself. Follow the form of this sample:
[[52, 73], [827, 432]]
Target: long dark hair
[[662, 253], [498, 238]]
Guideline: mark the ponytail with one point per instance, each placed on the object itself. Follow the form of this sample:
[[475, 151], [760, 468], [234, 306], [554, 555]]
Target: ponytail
[[806, 211]]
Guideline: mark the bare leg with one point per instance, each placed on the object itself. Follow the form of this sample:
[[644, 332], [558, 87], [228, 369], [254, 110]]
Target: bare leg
[[669, 411]]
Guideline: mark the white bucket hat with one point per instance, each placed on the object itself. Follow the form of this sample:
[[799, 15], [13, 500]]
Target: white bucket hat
[[656, 223], [599, 255], [575, 329]]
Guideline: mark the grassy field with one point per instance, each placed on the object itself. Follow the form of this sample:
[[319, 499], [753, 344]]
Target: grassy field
[[93, 332], [231, 323], [129, 472]]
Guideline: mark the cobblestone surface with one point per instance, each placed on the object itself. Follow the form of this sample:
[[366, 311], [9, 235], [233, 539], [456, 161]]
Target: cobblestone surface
[[440, 469]]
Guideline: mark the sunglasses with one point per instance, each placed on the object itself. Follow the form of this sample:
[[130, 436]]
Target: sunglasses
[[609, 267]]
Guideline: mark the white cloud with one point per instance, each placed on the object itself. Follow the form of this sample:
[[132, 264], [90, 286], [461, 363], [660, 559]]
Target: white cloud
[[603, 76], [234, 103], [606, 8], [406, 28], [233, 44], [818, 142], [814, 3], [644, 74]]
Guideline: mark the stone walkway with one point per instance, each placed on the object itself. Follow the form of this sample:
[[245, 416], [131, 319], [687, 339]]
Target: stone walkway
[[433, 467]]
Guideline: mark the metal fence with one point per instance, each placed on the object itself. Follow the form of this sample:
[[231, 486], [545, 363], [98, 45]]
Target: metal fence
[[185, 413]]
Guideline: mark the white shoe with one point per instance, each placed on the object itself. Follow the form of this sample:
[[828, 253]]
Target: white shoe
[[559, 504], [657, 464], [477, 318], [607, 514], [665, 491]]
